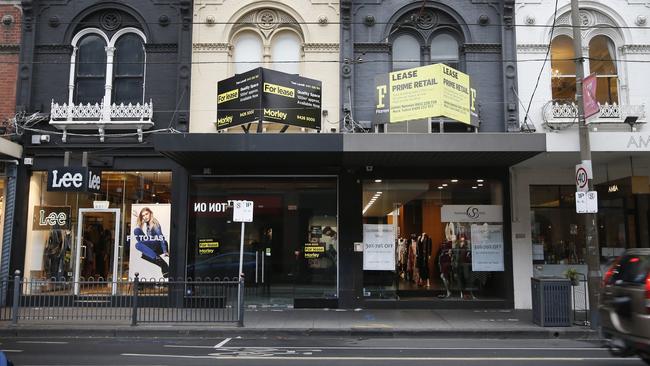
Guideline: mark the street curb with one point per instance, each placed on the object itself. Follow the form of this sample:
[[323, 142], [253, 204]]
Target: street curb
[[172, 331]]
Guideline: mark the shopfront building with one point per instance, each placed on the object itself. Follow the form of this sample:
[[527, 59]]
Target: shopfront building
[[318, 202]]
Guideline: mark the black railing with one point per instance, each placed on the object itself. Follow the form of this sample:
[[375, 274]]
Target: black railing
[[129, 301]]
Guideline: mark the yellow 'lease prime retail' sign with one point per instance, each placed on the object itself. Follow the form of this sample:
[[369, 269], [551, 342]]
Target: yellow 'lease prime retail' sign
[[423, 92]]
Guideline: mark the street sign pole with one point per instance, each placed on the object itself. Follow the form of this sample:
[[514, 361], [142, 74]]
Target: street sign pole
[[590, 219]]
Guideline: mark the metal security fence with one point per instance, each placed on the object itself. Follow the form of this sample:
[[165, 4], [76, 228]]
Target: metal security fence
[[134, 301]]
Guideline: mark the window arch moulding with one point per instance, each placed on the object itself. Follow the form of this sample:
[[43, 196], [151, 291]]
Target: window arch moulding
[[103, 114]]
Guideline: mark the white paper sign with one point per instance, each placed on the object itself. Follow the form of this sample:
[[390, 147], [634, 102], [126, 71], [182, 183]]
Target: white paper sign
[[487, 248], [242, 211], [378, 247], [587, 202]]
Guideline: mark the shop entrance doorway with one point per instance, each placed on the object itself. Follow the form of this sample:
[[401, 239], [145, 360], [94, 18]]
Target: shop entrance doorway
[[97, 251]]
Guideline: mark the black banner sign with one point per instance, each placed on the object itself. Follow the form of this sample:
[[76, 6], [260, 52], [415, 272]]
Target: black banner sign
[[271, 96], [68, 179], [51, 217]]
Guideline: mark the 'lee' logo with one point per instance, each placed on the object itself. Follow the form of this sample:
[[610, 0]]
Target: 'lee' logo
[[67, 180], [74, 180], [94, 181]]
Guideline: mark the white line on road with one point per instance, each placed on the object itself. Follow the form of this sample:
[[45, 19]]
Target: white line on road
[[42, 342], [222, 343], [464, 359], [412, 348], [11, 350]]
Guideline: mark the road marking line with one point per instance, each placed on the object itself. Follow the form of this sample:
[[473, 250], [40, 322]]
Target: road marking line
[[11, 350], [222, 343], [42, 342], [412, 348], [298, 358]]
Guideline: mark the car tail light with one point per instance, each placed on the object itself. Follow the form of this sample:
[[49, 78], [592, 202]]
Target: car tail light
[[610, 272]]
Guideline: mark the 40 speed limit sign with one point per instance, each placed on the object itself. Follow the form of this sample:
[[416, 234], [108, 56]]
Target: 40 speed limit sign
[[583, 174]]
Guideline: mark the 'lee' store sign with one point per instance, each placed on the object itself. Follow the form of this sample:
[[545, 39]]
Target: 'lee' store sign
[[74, 180]]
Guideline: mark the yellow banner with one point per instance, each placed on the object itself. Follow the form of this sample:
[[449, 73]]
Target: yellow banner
[[428, 91]]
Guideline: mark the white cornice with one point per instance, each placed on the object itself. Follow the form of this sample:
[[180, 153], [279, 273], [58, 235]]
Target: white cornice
[[643, 49], [321, 47], [532, 48], [210, 47]]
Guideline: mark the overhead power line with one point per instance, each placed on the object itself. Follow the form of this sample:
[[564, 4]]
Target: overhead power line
[[174, 62]]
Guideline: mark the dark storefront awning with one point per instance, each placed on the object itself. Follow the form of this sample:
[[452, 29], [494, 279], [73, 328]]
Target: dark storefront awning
[[379, 150]]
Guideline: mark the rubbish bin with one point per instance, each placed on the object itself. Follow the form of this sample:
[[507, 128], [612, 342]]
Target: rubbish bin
[[551, 301]]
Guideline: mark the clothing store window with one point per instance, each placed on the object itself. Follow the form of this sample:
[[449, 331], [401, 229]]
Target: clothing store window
[[84, 243], [290, 247], [558, 236], [439, 239]]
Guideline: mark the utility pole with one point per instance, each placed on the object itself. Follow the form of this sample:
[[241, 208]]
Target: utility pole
[[591, 219]]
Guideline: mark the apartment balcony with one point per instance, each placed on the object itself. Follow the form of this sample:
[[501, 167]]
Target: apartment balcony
[[613, 116], [101, 117]]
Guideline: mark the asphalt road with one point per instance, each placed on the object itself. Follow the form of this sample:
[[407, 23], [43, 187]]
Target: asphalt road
[[312, 351]]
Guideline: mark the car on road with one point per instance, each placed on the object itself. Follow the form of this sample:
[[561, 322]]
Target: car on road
[[625, 305]]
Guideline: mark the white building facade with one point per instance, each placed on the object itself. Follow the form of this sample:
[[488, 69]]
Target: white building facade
[[547, 233]]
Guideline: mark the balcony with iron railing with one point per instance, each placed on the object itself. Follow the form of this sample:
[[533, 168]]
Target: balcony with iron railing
[[101, 117], [560, 115]]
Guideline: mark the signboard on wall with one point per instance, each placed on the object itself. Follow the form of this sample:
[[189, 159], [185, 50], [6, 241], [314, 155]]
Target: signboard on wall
[[150, 248], [378, 247], [51, 217], [78, 179], [471, 213], [487, 248], [268, 95], [422, 92]]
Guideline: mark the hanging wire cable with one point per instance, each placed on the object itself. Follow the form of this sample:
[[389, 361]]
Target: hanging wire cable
[[541, 70]]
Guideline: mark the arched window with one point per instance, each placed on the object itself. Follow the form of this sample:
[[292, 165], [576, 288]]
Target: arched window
[[444, 49], [90, 70], [128, 78], [406, 52], [563, 74], [248, 52], [286, 47], [602, 54]]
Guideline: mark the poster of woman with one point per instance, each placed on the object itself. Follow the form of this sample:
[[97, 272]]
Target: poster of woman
[[149, 245]]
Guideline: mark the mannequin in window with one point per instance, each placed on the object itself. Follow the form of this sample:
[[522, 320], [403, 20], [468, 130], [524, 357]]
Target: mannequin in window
[[459, 264], [54, 254], [423, 256], [444, 266], [412, 257], [402, 256]]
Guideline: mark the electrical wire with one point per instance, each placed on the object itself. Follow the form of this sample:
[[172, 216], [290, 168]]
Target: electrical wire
[[607, 59], [541, 70]]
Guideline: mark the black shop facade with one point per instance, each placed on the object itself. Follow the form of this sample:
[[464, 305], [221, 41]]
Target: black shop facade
[[350, 220]]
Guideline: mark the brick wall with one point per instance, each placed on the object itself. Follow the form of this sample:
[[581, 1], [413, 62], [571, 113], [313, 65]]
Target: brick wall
[[9, 57]]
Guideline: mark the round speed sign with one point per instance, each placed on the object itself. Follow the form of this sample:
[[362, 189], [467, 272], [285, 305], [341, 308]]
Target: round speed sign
[[581, 178]]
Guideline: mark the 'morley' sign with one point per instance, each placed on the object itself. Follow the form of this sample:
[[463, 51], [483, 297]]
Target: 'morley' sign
[[66, 179], [271, 96], [423, 92]]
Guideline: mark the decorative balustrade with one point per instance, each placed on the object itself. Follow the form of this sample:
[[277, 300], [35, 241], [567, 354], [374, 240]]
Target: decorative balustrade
[[101, 116], [563, 113]]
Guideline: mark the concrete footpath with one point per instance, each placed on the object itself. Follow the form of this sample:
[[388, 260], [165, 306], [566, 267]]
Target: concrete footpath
[[322, 322]]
